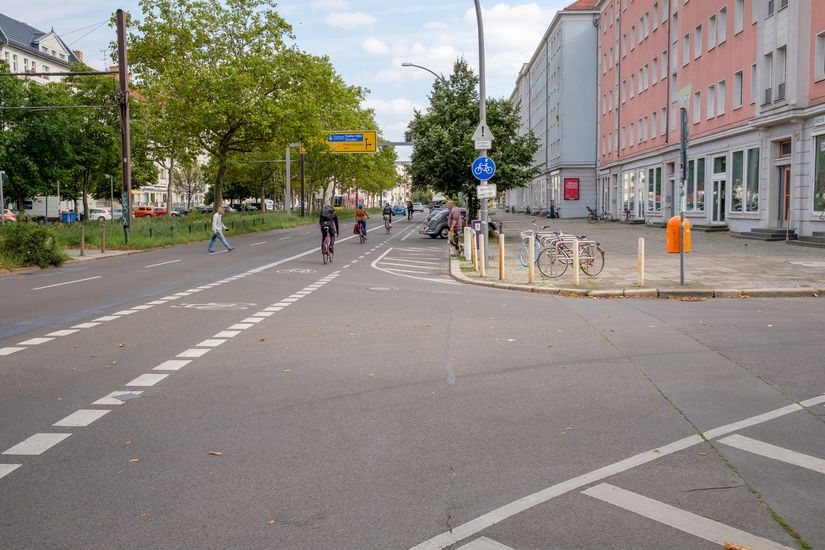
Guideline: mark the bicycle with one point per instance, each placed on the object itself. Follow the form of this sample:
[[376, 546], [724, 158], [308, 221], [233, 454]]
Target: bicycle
[[543, 235], [387, 224], [363, 233], [593, 216], [554, 260], [326, 246]]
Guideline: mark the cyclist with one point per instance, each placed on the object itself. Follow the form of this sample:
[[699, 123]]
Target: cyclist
[[409, 210], [387, 214], [361, 217], [329, 223]]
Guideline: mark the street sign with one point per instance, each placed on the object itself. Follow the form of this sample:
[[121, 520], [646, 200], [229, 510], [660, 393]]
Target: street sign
[[483, 137], [486, 191], [483, 145], [351, 142], [483, 168], [684, 96]]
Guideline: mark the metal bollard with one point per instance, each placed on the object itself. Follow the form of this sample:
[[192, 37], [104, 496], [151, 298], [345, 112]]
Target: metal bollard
[[576, 263], [102, 237], [482, 253], [500, 256], [531, 260], [640, 261], [474, 251], [82, 240], [468, 253]]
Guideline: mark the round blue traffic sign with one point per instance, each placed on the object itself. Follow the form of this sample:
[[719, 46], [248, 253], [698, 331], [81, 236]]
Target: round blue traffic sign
[[484, 168]]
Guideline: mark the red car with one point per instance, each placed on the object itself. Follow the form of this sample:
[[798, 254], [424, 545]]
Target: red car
[[160, 211], [8, 215], [143, 212]]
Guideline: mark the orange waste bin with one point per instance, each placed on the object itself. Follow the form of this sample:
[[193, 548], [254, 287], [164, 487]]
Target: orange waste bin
[[673, 236]]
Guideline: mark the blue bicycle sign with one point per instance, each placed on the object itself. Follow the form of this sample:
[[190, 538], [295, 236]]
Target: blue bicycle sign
[[484, 168]]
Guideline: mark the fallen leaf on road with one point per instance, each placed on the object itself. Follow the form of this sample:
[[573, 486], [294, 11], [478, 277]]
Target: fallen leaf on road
[[133, 460], [511, 339], [691, 299], [128, 442], [114, 362], [73, 370], [263, 339], [703, 454], [144, 515], [122, 345], [287, 370], [271, 522], [732, 546], [215, 453], [371, 374]]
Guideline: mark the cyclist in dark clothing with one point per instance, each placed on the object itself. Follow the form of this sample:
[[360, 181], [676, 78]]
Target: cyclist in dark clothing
[[329, 222], [387, 213]]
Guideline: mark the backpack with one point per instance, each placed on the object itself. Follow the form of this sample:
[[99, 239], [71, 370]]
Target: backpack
[[327, 214]]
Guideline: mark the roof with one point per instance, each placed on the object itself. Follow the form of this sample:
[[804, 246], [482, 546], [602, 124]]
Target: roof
[[582, 5], [17, 33]]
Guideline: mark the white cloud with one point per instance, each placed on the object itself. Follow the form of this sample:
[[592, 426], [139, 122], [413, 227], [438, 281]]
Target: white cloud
[[375, 46], [349, 19], [321, 5]]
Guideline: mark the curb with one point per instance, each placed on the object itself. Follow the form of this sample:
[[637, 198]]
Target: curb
[[668, 293]]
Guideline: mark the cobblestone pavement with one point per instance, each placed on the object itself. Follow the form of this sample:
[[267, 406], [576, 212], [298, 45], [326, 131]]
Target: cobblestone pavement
[[716, 261]]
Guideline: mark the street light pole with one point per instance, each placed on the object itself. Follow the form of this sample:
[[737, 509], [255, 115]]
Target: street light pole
[[408, 64], [112, 194], [482, 113], [2, 198]]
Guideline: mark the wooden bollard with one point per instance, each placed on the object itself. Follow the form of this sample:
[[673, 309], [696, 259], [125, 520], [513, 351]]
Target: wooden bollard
[[501, 257], [531, 260], [576, 263], [82, 240], [640, 261], [102, 237], [482, 253]]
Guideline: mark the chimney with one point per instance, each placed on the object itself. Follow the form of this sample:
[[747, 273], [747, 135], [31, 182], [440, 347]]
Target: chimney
[[78, 54]]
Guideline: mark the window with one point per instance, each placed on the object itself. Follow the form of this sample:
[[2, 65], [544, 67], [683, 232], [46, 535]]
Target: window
[[664, 65], [695, 189], [653, 125], [770, 7], [697, 107], [745, 173], [654, 16], [819, 68], [767, 75], [722, 27], [654, 189], [632, 37], [711, 102], [624, 45], [711, 32], [721, 97], [663, 122], [781, 71], [785, 148], [632, 137], [737, 89], [665, 10], [697, 42], [654, 72], [632, 88], [739, 16], [753, 83], [819, 175], [783, 4], [685, 49]]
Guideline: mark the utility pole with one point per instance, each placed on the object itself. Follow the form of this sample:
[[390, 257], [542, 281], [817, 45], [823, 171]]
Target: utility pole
[[3, 199], [303, 159], [112, 194], [683, 159], [125, 140], [482, 114]]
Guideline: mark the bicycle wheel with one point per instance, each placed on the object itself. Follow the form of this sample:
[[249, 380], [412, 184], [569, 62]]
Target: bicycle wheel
[[553, 262], [592, 266], [522, 256], [592, 218], [607, 217]]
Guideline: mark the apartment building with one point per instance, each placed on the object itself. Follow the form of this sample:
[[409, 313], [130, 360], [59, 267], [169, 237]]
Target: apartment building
[[556, 92], [29, 50], [752, 78]]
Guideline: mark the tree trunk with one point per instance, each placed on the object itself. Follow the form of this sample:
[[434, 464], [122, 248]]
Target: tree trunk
[[86, 178], [219, 177], [169, 188]]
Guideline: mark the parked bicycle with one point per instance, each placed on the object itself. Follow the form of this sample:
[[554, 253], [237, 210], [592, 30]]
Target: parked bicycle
[[554, 260], [593, 216]]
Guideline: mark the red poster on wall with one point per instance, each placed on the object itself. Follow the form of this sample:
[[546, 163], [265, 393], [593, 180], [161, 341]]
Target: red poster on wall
[[571, 189]]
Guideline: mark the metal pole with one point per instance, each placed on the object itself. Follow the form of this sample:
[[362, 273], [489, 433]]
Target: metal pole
[[123, 93], [303, 156], [482, 110], [58, 204], [288, 184], [112, 194], [3, 199], [684, 155]]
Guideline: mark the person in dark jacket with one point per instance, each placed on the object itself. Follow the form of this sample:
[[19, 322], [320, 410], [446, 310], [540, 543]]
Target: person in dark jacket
[[329, 222]]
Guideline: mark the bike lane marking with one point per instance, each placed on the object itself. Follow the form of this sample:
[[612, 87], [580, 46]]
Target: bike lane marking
[[501, 513]]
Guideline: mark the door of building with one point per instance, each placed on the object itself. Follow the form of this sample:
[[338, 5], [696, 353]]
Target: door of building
[[719, 189], [784, 196]]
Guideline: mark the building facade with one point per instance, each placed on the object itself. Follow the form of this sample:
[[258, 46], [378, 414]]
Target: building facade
[[556, 92], [29, 50], [751, 77]]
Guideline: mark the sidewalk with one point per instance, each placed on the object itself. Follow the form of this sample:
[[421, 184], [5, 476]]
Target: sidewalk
[[718, 264]]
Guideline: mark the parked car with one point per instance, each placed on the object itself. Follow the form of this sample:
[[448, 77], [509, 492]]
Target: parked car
[[8, 215], [203, 209], [99, 214], [143, 212], [160, 210], [418, 207], [437, 226], [399, 210], [179, 211]]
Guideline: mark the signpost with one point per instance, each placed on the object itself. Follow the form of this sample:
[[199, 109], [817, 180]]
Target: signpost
[[483, 137], [484, 168], [486, 191], [684, 102], [351, 142]]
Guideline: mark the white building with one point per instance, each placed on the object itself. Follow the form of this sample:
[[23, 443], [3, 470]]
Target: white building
[[30, 50]]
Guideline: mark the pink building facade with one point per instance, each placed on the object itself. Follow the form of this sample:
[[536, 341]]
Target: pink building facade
[[751, 75]]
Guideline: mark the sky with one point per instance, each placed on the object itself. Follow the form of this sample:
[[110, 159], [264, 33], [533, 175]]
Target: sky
[[366, 40]]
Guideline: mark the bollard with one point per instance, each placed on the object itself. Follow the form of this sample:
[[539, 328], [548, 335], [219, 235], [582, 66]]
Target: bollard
[[531, 260], [467, 243], [576, 262], [474, 252], [500, 256], [640, 261], [82, 240], [150, 232], [482, 254], [103, 238]]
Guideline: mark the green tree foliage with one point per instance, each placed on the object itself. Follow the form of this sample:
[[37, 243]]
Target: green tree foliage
[[444, 149]]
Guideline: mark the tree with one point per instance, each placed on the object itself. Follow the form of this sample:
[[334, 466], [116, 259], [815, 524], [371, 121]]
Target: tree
[[444, 150], [188, 180]]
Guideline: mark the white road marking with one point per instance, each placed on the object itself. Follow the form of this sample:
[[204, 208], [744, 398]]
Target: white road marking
[[302, 293], [250, 320], [677, 518], [181, 294], [10, 350], [86, 325], [285, 238], [240, 326], [170, 298], [173, 364], [273, 308], [69, 282], [408, 264], [65, 332], [106, 318], [290, 300], [162, 263], [35, 341], [777, 453], [125, 312], [375, 265], [263, 314], [211, 343], [156, 302], [194, 352], [6, 469], [483, 543], [258, 244], [227, 334], [346, 266], [144, 306], [493, 517], [112, 398], [397, 270], [81, 418], [145, 380], [36, 444]]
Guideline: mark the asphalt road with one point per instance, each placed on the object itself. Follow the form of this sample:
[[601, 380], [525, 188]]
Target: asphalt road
[[375, 403]]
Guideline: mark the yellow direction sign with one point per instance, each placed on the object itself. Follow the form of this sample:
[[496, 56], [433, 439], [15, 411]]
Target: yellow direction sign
[[351, 142]]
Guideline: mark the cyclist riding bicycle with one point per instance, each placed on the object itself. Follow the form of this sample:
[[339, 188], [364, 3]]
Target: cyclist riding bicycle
[[387, 213], [409, 210], [329, 223], [361, 217]]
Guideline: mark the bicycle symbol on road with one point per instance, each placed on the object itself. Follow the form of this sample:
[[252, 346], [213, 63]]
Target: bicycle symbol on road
[[483, 168], [215, 306]]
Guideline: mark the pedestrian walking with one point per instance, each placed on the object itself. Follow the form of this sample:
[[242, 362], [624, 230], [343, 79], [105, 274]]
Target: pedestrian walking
[[217, 231], [454, 223]]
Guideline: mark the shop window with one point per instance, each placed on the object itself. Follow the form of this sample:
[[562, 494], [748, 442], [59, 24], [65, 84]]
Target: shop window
[[654, 189], [819, 175], [695, 190]]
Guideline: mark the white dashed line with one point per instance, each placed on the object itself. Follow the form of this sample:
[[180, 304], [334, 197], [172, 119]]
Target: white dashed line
[[777, 453], [9, 351], [290, 300], [241, 326], [227, 334], [170, 298], [81, 418], [162, 263], [125, 312], [86, 325], [112, 398], [145, 306], [6, 469], [251, 320], [68, 282], [105, 318], [258, 244], [35, 341], [37, 444], [146, 380], [194, 352], [211, 343], [273, 308], [65, 332], [156, 302], [173, 364], [263, 314]]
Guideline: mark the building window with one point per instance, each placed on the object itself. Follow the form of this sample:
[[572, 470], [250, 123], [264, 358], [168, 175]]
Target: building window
[[664, 65], [722, 26], [697, 107], [819, 68], [721, 97], [819, 175], [711, 32], [697, 42], [745, 173], [767, 77], [653, 126], [711, 102], [654, 189], [771, 7], [663, 122], [754, 90], [695, 190], [655, 16], [654, 72], [785, 148], [781, 72], [685, 49], [632, 87], [632, 138], [783, 4], [739, 16], [737, 89]]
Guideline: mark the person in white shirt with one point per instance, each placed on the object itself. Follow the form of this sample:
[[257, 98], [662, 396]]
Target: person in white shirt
[[217, 231]]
